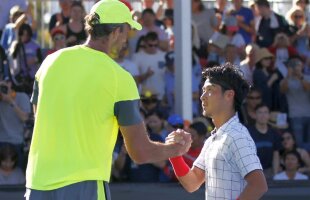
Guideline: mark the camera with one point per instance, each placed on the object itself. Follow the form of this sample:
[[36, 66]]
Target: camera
[[4, 89]]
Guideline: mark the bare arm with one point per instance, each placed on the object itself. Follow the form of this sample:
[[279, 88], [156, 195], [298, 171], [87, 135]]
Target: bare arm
[[256, 186], [193, 179], [142, 150]]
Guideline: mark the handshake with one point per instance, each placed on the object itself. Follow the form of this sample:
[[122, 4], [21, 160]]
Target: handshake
[[179, 139]]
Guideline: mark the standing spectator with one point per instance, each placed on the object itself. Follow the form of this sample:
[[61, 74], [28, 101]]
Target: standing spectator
[[292, 162], [152, 59], [26, 56], [245, 20], [63, 17], [3, 64], [296, 87], [268, 24], [247, 66], [5, 8], [205, 21], [216, 47], [289, 144], [15, 110], [148, 22], [221, 9], [74, 29], [303, 4], [267, 142], [10, 173], [266, 78]]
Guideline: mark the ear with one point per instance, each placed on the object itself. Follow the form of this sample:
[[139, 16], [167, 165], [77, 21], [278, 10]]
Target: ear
[[230, 95]]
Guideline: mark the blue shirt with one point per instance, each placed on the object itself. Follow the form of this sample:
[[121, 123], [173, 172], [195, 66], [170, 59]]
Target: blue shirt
[[248, 16]]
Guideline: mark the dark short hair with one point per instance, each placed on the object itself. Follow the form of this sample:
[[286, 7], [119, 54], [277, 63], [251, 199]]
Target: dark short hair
[[151, 36], [78, 4], [261, 105], [25, 27], [98, 30], [148, 11], [8, 151], [262, 3], [229, 78], [200, 128], [295, 153]]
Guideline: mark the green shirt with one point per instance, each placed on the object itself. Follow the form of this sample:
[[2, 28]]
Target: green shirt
[[82, 97]]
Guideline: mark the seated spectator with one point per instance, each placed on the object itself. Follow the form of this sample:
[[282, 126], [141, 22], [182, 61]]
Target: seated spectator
[[174, 122], [267, 142], [59, 40], [63, 17], [155, 122], [247, 66], [268, 24], [14, 112], [74, 30], [289, 144], [296, 87], [198, 130], [10, 174], [231, 55], [216, 47], [26, 55], [292, 162], [253, 99]]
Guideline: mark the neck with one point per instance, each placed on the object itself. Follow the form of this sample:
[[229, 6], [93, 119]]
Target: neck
[[291, 174], [98, 44], [262, 127], [238, 7], [221, 119]]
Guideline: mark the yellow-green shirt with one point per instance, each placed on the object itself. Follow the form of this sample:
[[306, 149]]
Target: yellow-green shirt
[[82, 97]]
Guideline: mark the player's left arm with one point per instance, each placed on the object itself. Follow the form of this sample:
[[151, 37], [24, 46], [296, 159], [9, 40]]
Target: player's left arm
[[256, 186]]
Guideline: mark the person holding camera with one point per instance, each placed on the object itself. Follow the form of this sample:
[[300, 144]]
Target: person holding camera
[[14, 111]]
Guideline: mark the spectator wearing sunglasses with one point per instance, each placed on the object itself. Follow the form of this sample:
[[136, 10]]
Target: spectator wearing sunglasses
[[253, 99], [59, 40]]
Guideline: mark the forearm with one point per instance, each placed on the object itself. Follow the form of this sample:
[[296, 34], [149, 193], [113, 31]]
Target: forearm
[[251, 192], [256, 186], [305, 85], [23, 116]]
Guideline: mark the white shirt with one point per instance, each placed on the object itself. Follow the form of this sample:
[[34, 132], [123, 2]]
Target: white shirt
[[227, 157], [247, 71], [130, 67], [282, 176], [156, 82]]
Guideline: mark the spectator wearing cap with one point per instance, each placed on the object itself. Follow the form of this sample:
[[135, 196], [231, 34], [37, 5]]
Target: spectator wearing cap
[[152, 60], [170, 81], [245, 19], [149, 25], [247, 65], [58, 39], [216, 47], [63, 17], [174, 122], [264, 75], [198, 131], [268, 24], [296, 87]]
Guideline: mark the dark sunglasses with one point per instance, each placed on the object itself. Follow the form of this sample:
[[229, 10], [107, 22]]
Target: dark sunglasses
[[298, 16], [152, 45], [59, 37]]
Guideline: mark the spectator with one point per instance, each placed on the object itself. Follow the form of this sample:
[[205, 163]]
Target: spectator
[[231, 55], [199, 132], [10, 174], [155, 122], [205, 20], [152, 59], [174, 122], [253, 99], [289, 144], [15, 110], [292, 162], [303, 4], [221, 9], [247, 66], [216, 47], [282, 50], [296, 87], [148, 22], [74, 29], [245, 19], [26, 56], [59, 40], [268, 24], [3, 64], [63, 17], [265, 77], [267, 142]]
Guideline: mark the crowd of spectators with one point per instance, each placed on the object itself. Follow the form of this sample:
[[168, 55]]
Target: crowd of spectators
[[271, 49]]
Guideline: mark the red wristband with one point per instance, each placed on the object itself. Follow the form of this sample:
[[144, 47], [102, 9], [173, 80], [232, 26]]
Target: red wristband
[[179, 166]]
